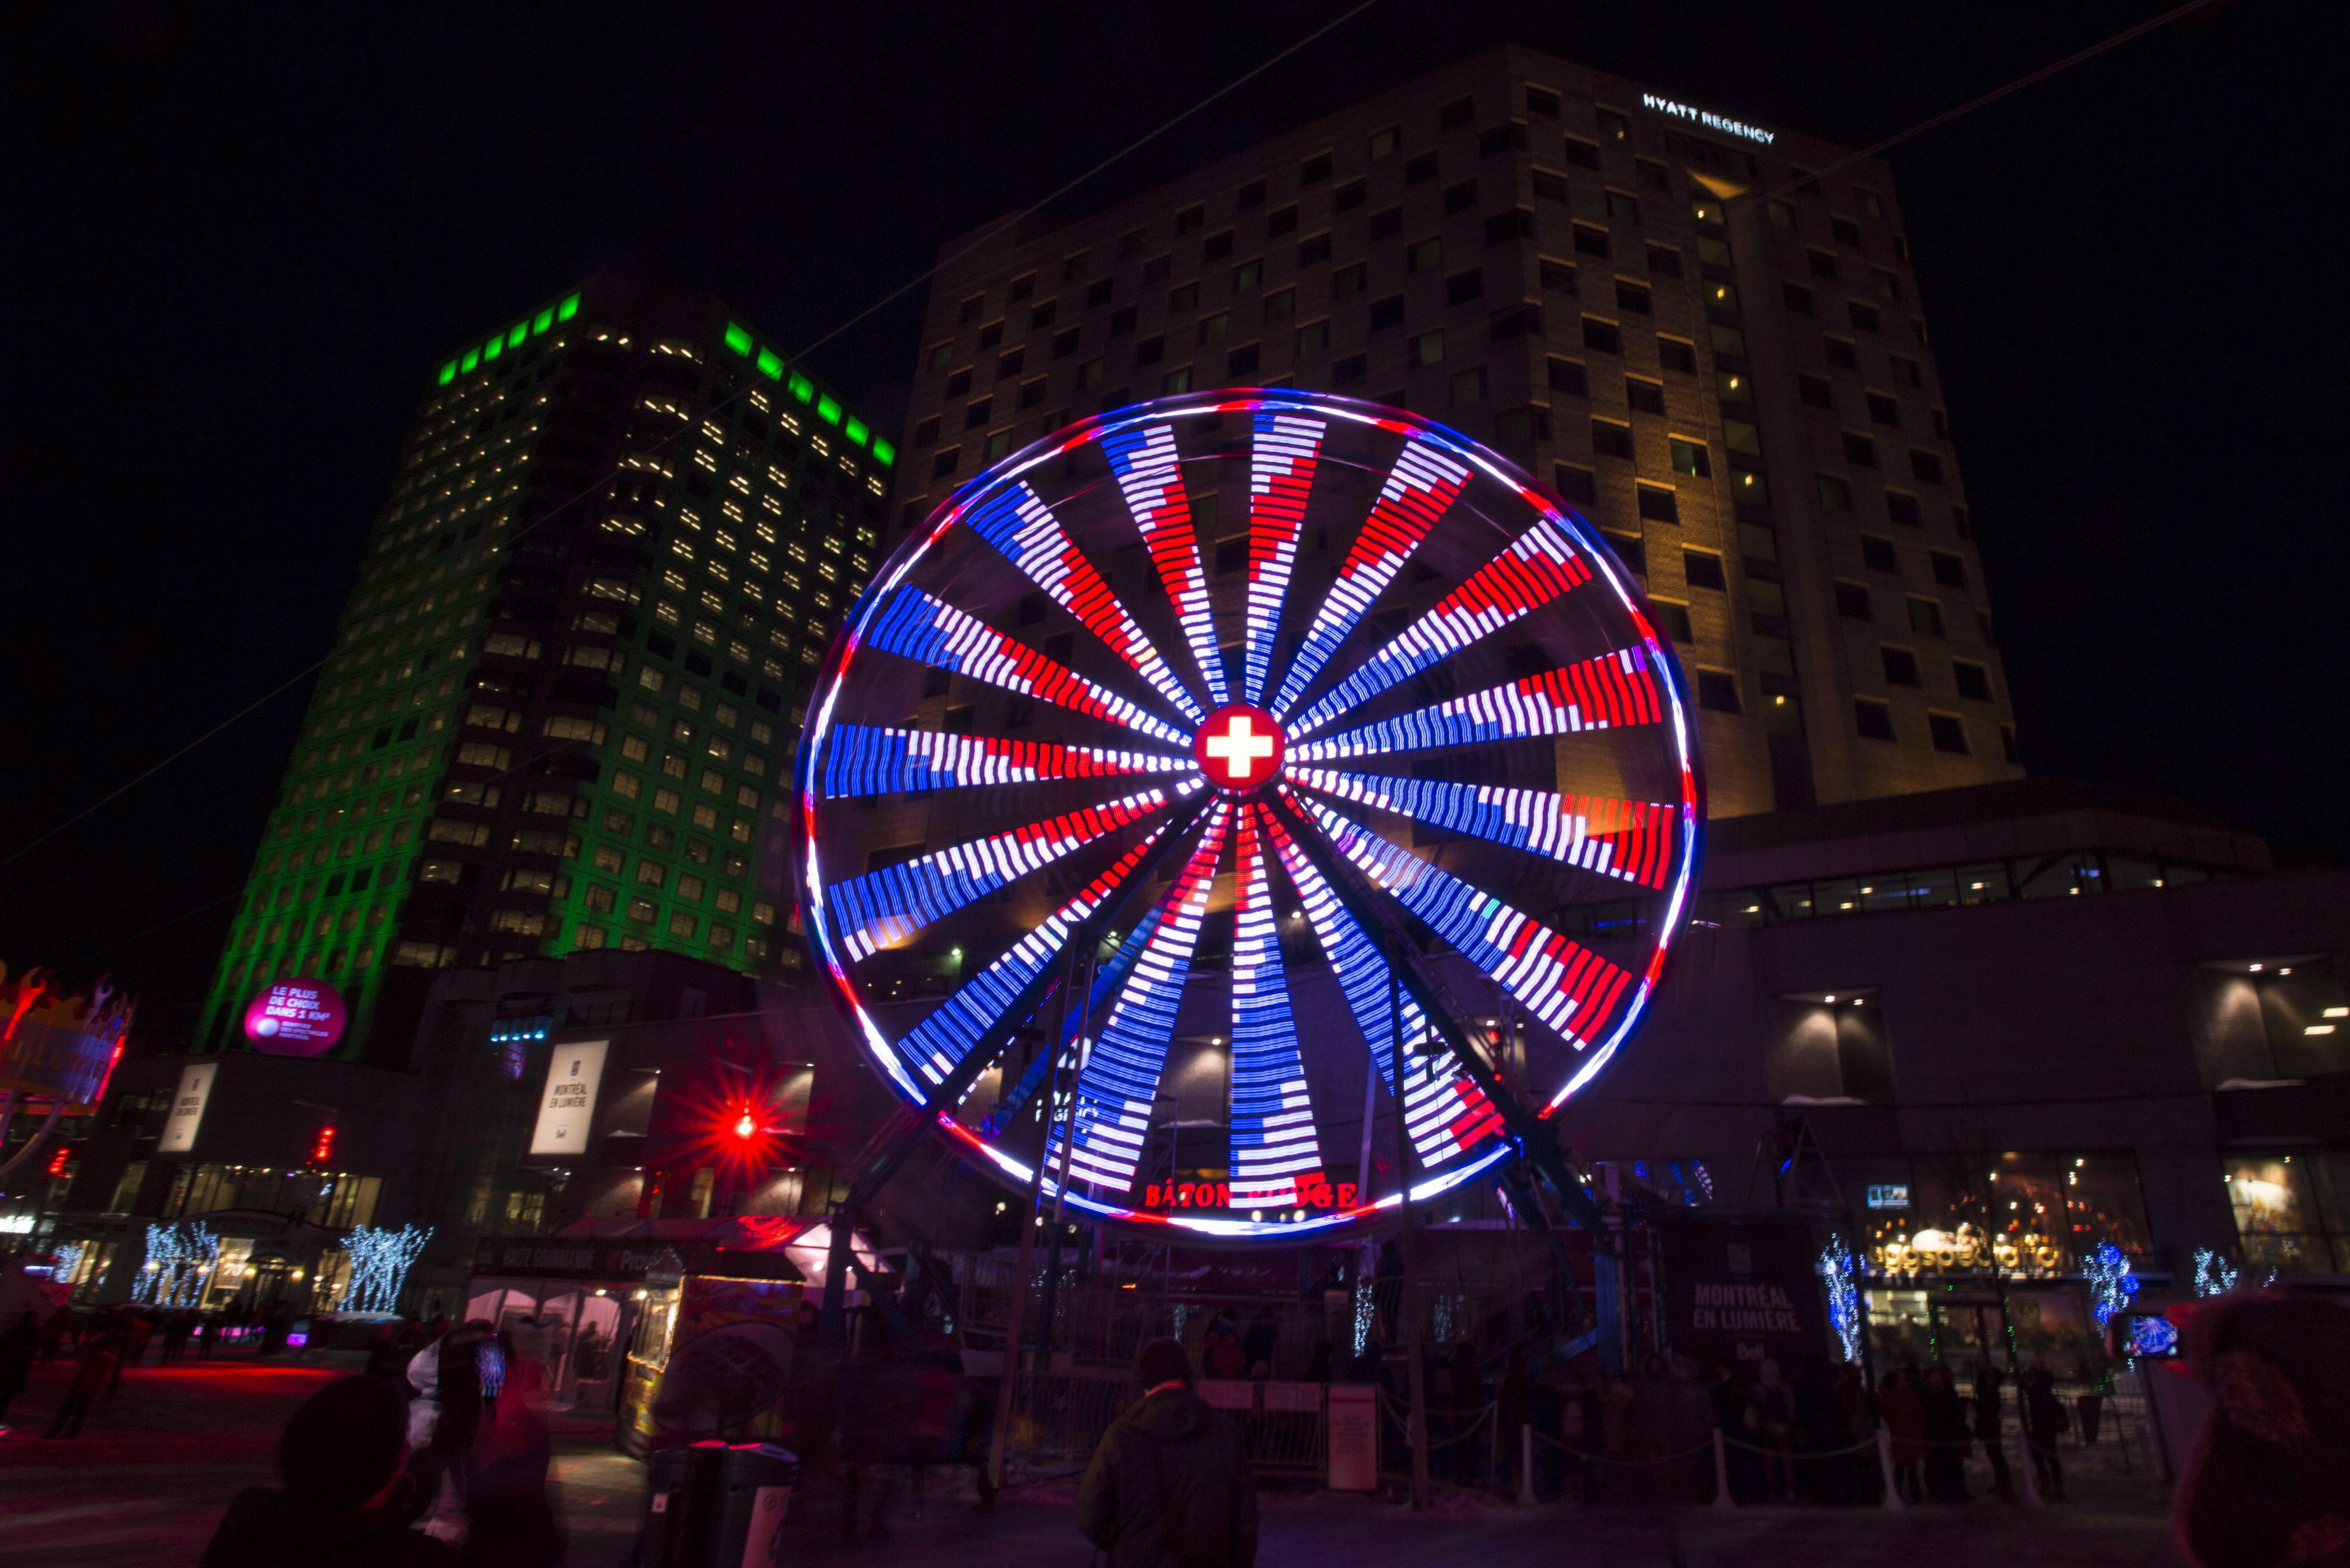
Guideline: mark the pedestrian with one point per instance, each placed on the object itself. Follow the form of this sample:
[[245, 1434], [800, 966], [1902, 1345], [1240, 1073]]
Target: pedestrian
[[1220, 1345], [1169, 1485], [2044, 1422], [176, 1328], [2269, 1478], [1775, 1424], [1946, 1437], [1821, 1432], [444, 1419], [1989, 1381], [1905, 1424], [53, 1332], [100, 1352], [347, 1498], [136, 1330], [1257, 1345], [18, 1346]]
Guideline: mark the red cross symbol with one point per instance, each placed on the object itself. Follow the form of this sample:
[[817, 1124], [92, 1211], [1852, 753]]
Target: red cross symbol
[[1240, 747]]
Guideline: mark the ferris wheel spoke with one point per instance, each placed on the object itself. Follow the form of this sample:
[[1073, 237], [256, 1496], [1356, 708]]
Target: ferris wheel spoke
[[1282, 461], [1151, 477], [1422, 485], [1610, 692], [915, 625], [1541, 566], [869, 760], [937, 1046], [1567, 987], [1629, 839], [893, 905], [1444, 1110], [1018, 524], [1275, 1149], [1120, 1082]]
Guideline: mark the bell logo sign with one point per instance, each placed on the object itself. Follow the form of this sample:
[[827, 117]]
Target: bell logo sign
[[1239, 748]]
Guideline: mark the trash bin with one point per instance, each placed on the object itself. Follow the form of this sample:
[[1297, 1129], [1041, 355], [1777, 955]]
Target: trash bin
[[681, 1499], [755, 1493]]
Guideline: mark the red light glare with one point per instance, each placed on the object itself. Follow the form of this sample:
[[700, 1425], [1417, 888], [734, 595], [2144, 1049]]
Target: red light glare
[[58, 1162], [324, 1147], [745, 1127]]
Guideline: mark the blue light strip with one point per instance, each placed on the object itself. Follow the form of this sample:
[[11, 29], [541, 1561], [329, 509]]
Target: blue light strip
[[1570, 989], [940, 1041], [1282, 462], [1152, 479], [1120, 1078], [1539, 566], [1444, 1113], [1629, 839], [1275, 1149], [913, 625], [1016, 520], [1614, 690], [889, 906], [867, 759], [1420, 487]]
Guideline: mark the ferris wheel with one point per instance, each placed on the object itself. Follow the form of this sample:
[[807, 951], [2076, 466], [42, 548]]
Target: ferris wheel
[[1193, 776]]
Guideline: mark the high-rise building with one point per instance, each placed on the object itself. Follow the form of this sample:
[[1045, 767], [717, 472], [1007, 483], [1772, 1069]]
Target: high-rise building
[[562, 691], [1712, 349]]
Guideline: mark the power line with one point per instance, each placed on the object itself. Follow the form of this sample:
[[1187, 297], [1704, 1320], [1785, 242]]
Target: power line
[[795, 358], [1972, 104]]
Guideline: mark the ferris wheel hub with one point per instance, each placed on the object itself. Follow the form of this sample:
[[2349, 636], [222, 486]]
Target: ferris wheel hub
[[1240, 748]]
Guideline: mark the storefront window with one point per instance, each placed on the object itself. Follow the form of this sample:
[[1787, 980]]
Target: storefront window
[[2032, 1214], [2277, 1217]]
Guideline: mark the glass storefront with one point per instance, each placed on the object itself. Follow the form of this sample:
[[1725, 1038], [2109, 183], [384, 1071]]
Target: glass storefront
[[2292, 1211], [2035, 1215]]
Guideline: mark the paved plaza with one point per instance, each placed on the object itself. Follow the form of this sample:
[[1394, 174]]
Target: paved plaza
[[154, 1468]]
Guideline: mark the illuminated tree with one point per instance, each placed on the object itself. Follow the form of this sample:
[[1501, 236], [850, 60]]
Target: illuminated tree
[[380, 1259]]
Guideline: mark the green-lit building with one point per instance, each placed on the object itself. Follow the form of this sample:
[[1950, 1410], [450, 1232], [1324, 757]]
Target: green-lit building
[[563, 694]]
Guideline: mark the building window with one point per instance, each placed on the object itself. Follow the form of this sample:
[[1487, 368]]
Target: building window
[[1582, 154], [1550, 186], [1657, 504], [1387, 223], [1457, 113], [1631, 550], [1691, 458], [1926, 467], [1973, 680], [1900, 665], [1840, 354], [1902, 509], [1574, 484], [1873, 719], [1590, 241], [1950, 571], [1566, 376], [1421, 170], [1835, 495], [1602, 336], [1949, 733], [1464, 287], [1501, 228], [1859, 451], [1623, 207], [1797, 298], [1647, 397], [1877, 554], [1385, 142], [1718, 690], [1428, 348], [1926, 616], [1702, 569], [1675, 618], [1884, 409], [1609, 439], [1675, 355], [1468, 386], [1851, 601], [1460, 198]]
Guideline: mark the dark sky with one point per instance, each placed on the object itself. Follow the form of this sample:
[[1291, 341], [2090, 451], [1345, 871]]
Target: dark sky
[[240, 244]]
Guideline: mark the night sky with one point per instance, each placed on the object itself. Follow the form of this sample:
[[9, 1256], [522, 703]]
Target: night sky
[[241, 246]]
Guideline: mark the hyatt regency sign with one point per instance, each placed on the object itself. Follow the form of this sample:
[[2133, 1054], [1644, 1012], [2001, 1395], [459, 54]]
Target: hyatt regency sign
[[1708, 119]]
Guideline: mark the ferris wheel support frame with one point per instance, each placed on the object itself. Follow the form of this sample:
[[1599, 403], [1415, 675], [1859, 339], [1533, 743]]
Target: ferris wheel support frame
[[894, 1142]]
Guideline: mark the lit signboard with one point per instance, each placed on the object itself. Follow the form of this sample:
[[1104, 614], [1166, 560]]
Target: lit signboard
[[568, 1105], [296, 1018], [1888, 1195], [1708, 119], [188, 1107]]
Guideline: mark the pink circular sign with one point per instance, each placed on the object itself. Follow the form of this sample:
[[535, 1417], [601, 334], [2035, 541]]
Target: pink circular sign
[[296, 1018]]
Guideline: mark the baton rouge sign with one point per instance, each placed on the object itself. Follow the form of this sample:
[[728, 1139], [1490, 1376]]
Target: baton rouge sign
[[1151, 743], [296, 1018]]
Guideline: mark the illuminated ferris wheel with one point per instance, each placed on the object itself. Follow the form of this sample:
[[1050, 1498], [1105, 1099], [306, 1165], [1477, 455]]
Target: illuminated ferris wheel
[[1191, 774]]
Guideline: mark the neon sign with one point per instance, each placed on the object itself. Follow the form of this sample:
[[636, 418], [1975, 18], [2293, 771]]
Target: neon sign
[[1708, 119], [296, 1018], [1169, 820]]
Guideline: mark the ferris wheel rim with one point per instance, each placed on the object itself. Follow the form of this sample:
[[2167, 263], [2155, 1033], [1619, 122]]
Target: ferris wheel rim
[[1661, 668]]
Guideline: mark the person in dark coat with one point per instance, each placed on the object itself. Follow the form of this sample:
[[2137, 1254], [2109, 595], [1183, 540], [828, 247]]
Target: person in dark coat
[[1169, 1485], [100, 1354], [1989, 1381], [2269, 1482], [1257, 1345], [1946, 1437], [1905, 1424], [2043, 1419], [18, 1346], [1220, 1346], [348, 1499]]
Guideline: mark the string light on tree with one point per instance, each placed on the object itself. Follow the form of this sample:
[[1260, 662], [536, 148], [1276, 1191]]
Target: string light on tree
[[1835, 1267], [380, 1259], [2214, 1275], [2111, 1284]]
